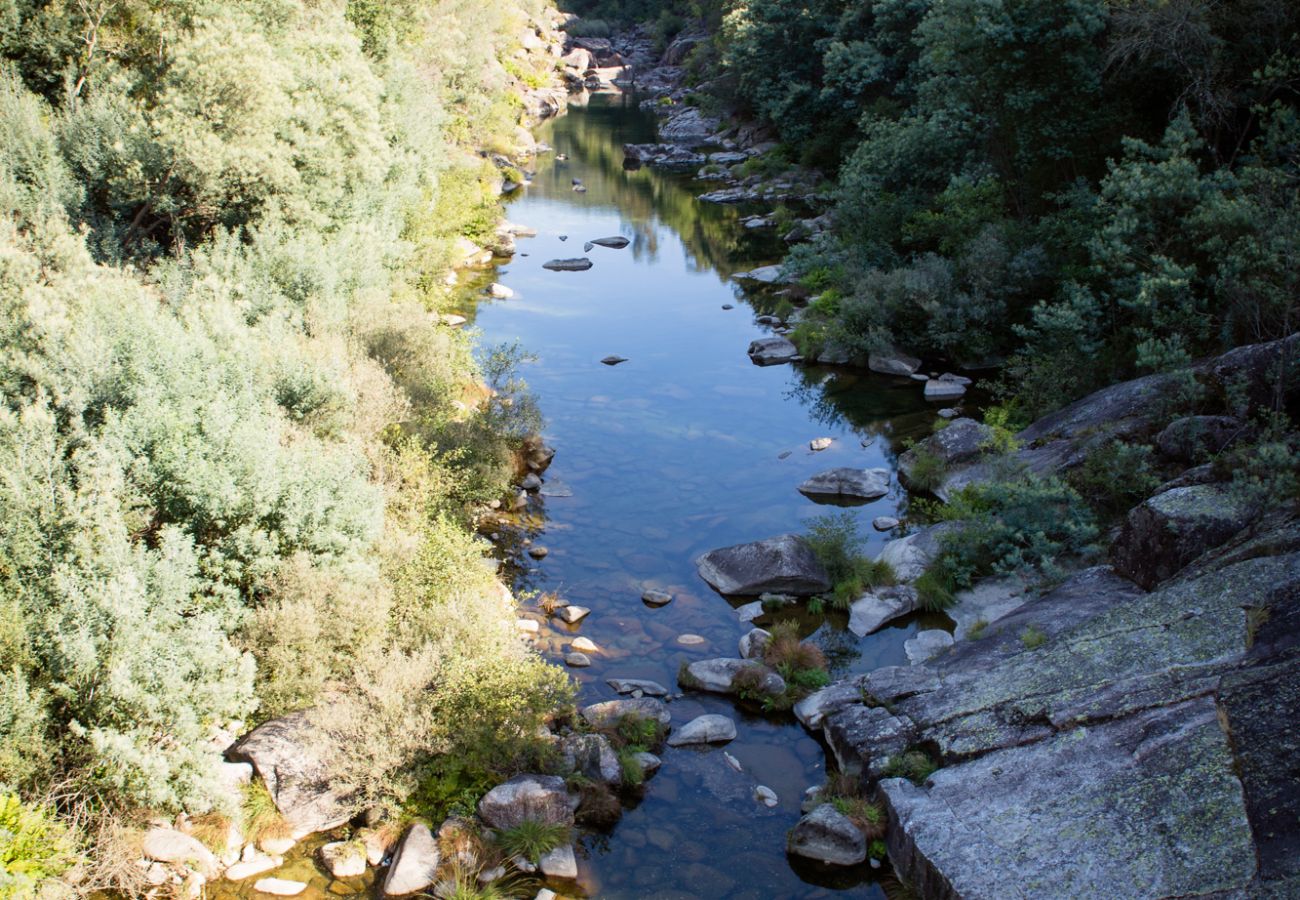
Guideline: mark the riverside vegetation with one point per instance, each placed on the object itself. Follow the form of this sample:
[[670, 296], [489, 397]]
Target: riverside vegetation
[[239, 454]]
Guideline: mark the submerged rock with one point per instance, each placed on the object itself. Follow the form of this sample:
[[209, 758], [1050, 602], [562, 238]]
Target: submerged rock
[[656, 598], [781, 564], [927, 645], [706, 729], [609, 712]]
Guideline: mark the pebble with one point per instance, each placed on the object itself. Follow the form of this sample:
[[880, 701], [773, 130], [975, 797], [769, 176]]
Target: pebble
[[732, 761], [656, 598], [884, 523], [690, 640], [585, 645], [538, 552], [577, 660], [766, 796], [818, 444]]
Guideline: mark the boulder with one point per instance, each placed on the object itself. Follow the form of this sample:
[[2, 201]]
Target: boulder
[[592, 756], [885, 523], [718, 675], [943, 390], [524, 798], [560, 863], [848, 484], [415, 862], [568, 265], [604, 714], [828, 836], [577, 660], [628, 685], [784, 564], [872, 611], [1193, 438], [572, 614], [753, 643], [290, 754], [814, 708], [343, 859], [648, 762], [963, 440], [910, 556], [893, 363], [763, 275], [771, 351], [706, 729], [1170, 530], [168, 845]]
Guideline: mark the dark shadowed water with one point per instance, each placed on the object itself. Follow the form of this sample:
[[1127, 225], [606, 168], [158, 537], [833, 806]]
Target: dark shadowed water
[[680, 449]]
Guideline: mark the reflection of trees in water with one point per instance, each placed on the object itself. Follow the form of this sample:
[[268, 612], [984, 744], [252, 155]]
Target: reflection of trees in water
[[593, 138]]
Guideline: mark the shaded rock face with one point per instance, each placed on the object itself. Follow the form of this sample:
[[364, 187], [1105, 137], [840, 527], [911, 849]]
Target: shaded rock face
[[1193, 438], [771, 351], [828, 836], [291, 755], [779, 565], [847, 484], [525, 798], [1094, 762], [1170, 530], [962, 441], [893, 363], [592, 756]]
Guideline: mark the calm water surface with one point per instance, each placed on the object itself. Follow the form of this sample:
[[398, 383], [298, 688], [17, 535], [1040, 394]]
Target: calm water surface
[[685, 447]]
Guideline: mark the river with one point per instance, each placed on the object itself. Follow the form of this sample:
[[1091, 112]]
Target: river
[[685, 447]]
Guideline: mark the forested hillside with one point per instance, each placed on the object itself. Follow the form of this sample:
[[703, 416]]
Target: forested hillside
[[1083, 190], [238, 450]]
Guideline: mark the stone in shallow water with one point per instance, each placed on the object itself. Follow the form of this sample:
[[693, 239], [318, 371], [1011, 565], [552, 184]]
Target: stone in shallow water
[[573, 614], [706, 729], [750, 611], [577, 660], [560, 863], [614, 360], [784, 563], [568, 265], [656, 598], [691, 640], [819, 444], [538, 552], [585, 645], [828, 836], [943, 390], [618, 242], [628, 685], [870, 612], [771, 351], [848, 483], [542, 798], [927, 645], [718, 675], [610, 711], [885, 523], [279, 887]]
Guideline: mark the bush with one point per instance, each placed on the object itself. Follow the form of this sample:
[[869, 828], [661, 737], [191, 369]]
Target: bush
[[1116, 478], [838, 546], [532, 840], [34, 847]]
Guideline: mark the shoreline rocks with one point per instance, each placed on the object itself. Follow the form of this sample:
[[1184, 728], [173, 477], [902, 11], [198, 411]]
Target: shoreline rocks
[[783, 564]]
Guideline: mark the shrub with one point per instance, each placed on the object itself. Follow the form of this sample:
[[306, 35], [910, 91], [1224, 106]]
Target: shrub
[[914, 765], [34, 846], [927, 470], [1116, 478], [838, 546], [1033, 637]]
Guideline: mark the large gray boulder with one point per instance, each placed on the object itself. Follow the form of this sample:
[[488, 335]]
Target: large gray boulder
[[292, 755], [910, 556], [601, 715], [892, 362], [779, 565], [718, 676], [1168, 531], [872, 611], [706, 729], [828, 836], [527, 798], [415, 863], [568, 265], [847, 484], [771, 351]]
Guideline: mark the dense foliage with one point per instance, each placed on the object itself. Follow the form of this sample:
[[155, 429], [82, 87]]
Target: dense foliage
[[236, 448], [1088, 189]]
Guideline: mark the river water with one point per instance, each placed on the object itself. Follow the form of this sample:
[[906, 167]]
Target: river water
[[685, 447]]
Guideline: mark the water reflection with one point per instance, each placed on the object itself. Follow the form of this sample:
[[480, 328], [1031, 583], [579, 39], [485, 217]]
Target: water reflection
[[685, 447]]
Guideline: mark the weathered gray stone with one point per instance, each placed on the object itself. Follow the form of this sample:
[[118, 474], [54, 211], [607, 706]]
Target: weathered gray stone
[[893, 363], [560, 864], [648, 762], [718, 676], [828, 836], [987, 601], [610, 711], [706, 729], [872, 611], [848, 484], [781, 564], [813, 709], [250, 868], [538, 798], [753, 643], [628, 685], [927, 645], [910, 556], [343, 859], [771, 351], [763, 275], [617, 242], [750, 611], [864, 738], [961, 441], [291, 755], [577, 660], [885, 523], [568, 265], [592, 756], [1170, 530], [656, 598], [415, 862], [170, 846], [943, 390], [1193, 438]]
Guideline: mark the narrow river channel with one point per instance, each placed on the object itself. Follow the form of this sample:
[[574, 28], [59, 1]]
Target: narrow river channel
[[685, 447]]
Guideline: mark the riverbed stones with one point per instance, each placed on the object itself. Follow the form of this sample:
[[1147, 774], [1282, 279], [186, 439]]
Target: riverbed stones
[[817, 445], [560, 864], [577, 660], [529, 798], [847, 484], [656, 598], [1169, 530], [893, 363], [572, 614], [616, 242], [718, 676], [885, 523], [936, 389], [290, 754], [692, 640], [828, 836], [646, 687], [609, 712], [872, 611], [707, 729], [584, 645], [581, 264], [772, 351], [781, 564], [343, 859], [415, 862], [539, 552], [753, 643], [168, 845], [766, 796], [927, 644], [279, 887], [592, 756]]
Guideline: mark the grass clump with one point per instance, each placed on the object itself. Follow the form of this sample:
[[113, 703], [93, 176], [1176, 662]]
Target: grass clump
[[1033, 637], [261, 817], [800, 664], [977, 630], [926, 471], [914, 765], [532, 840], [839, 548]]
